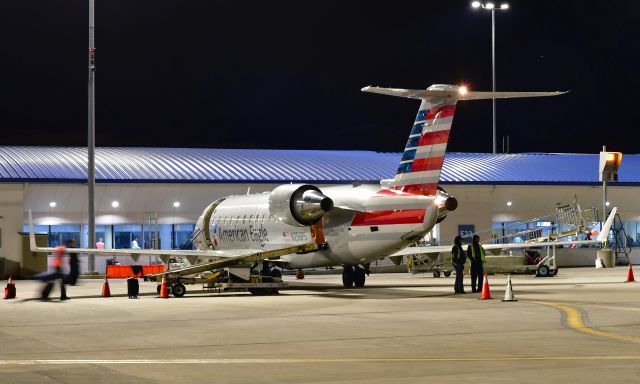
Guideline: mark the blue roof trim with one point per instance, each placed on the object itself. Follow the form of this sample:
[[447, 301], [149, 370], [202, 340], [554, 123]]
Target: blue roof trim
[[194, 165]]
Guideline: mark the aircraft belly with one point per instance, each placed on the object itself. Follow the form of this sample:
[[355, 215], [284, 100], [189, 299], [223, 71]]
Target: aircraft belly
[[366, 245]]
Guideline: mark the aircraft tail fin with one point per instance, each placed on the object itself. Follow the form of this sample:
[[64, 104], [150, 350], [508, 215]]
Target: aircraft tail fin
[[423, 157]]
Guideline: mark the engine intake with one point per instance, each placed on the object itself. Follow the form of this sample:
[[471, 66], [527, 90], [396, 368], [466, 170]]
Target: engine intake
[[299, 204]]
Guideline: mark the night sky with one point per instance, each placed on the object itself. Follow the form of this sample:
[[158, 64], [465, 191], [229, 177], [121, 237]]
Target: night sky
[[287, 74]]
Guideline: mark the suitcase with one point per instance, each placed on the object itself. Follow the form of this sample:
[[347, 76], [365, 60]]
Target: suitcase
[[133, 288]]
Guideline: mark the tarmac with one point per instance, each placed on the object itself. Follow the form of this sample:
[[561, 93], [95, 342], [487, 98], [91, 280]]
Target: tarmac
[[581, 326]]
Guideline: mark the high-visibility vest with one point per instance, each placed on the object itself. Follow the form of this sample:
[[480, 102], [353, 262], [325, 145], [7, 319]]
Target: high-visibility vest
[[57, 257], [473, 252]]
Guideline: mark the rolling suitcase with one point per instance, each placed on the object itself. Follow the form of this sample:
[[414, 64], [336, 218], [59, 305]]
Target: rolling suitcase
[[133, 288]]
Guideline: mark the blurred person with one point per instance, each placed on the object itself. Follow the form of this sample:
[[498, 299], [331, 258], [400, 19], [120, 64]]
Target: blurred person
[[56, 264], [100, 244], [74, 265]]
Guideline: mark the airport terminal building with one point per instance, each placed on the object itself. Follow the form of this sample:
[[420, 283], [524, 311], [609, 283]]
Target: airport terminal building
[[144, 191]]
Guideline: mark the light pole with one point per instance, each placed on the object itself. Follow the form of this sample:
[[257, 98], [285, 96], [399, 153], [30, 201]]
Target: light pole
[[492, 7], [91, 144]]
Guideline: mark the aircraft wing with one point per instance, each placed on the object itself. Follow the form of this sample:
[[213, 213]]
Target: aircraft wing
[[250, 256], [602, 237], [233, 256]]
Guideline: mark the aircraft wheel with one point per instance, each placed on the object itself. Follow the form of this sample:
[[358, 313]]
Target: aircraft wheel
[[543, 271], [158, 288], [359, 277], [347, 276], [178, 290], [447, 273], [436, 274]]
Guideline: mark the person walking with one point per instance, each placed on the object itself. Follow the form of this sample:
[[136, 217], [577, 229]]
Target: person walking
[[458, 258], [74, 265], [476, 255], [56, 263]]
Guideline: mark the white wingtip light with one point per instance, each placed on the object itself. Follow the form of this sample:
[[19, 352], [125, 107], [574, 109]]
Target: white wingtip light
[[32, 235], [463, 90], [604, 233]]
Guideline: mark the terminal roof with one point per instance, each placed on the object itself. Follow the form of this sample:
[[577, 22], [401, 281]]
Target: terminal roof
[[195, 165]]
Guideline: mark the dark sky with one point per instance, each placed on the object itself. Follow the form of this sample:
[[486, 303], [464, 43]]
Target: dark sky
[[287, 74]]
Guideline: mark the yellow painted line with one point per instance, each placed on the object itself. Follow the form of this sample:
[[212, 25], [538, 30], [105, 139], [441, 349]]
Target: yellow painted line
[[321, 361], [575, 321]]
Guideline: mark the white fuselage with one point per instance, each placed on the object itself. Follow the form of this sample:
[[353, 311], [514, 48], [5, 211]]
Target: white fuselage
[[367, 223]]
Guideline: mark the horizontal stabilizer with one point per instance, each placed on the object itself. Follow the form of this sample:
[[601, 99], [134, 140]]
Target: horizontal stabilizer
[[451, 91]]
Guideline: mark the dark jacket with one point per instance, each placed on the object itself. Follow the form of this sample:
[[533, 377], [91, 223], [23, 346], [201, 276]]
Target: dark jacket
[[457, 256]]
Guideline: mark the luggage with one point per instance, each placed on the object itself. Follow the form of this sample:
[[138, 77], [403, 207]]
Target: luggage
[[133, 288]]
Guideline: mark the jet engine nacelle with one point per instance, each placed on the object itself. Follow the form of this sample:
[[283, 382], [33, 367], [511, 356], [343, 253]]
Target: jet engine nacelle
[[446, 203], [299, 204]]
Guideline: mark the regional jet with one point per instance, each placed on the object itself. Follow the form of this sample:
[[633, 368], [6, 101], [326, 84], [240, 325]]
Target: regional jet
[[305, 226]]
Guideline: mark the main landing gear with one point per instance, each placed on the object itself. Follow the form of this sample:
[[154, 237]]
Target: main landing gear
[[354, 275]]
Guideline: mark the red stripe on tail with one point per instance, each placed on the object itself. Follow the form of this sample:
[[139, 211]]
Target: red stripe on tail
[[437, 137], [441, 113], [427, 164]]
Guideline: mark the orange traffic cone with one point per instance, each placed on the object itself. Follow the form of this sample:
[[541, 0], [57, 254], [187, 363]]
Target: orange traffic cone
[[106, 292], [486, 293], [164, 291], [300, 274], [10, 290], [630, 274]]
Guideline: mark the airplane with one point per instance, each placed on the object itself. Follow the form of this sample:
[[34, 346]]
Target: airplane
[[304, 226]]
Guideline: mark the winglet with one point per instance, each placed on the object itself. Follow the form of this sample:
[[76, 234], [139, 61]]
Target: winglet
[[604, 233], [32, 235]]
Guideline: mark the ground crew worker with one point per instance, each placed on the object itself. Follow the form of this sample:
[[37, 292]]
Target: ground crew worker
[[458, 258], [74, 265], [56, 263], [476, 254]]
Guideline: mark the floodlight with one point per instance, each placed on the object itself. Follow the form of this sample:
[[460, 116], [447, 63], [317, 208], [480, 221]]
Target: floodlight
[[476, 4], [489, 6], [609, 165], [504, 6]]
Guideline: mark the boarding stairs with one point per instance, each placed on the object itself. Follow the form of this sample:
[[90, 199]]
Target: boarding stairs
[[568, 221]]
